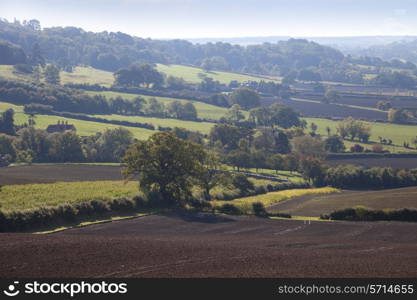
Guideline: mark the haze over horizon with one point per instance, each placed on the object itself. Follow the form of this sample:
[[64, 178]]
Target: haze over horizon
[[189, 19]]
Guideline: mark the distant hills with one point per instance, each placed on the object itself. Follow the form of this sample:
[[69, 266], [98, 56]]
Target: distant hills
[[278, 56], [337, 42]]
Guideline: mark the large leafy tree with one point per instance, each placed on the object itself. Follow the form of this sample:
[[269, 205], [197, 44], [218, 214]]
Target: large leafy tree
[[65, 147], [34, 142], [51, 74], [309, 146], [6, 147], [313, 170], [334, 144], [7, 122], [167, 165], [275, 115], [228, 135], [284, 116], [210, 174], [137, 75], [246, 98], [113, 144]]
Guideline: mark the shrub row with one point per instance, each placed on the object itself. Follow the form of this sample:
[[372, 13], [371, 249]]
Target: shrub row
[[85, 117], [363, 214], [64, 213], [257, 207], [46, 216], [182, 94], [337, 156], [355, 177]]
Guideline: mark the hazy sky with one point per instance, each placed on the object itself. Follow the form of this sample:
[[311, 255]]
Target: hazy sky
[[215, 18]]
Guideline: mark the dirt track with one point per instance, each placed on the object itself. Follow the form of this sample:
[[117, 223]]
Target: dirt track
[[190, 245]]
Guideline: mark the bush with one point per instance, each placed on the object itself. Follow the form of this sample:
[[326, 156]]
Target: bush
[[45, 216], [67, 212], [200, 204], [242, 183], [259, 209], [140, 202], [100, 206], [23, 68], [356, 148], [260, 190], [363, 214], [122, 204], [229, 209]]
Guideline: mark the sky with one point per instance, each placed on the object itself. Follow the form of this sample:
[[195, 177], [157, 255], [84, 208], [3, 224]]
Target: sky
[[215, 18]]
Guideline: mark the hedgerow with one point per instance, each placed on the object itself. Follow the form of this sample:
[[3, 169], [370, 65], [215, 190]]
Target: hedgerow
[[361, 213]]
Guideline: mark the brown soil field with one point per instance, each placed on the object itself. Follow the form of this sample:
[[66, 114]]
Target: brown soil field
[[315, 205], [203, 245], [55, 173], [321, 110], [365, 101], [398, 162]]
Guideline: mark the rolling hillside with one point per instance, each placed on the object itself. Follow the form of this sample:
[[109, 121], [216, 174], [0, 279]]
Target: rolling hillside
[[205, 111], [193, 74]]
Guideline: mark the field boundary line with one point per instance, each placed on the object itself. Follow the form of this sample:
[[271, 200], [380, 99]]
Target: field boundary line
[[87, 223]]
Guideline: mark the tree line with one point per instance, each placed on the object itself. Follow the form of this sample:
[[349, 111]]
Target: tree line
[[67, 47], [114, 50], [34, 146], [41, 98]]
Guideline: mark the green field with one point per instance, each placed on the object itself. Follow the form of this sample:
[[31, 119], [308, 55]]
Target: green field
[[190, 74], [193, 74], [245, 204], [91, 75], [203, 127], [7, 72], [85, 128], [4, 106], [205, 111], [30, 196], [88, 75], [397, 133], [21, 197], [79, 75]]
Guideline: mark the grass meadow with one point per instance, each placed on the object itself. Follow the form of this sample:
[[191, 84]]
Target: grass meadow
[[194, 74], [204, 110], [84, 128], [396, 132], [30, 196], [7, 72], [88, 75], [105, 78]]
